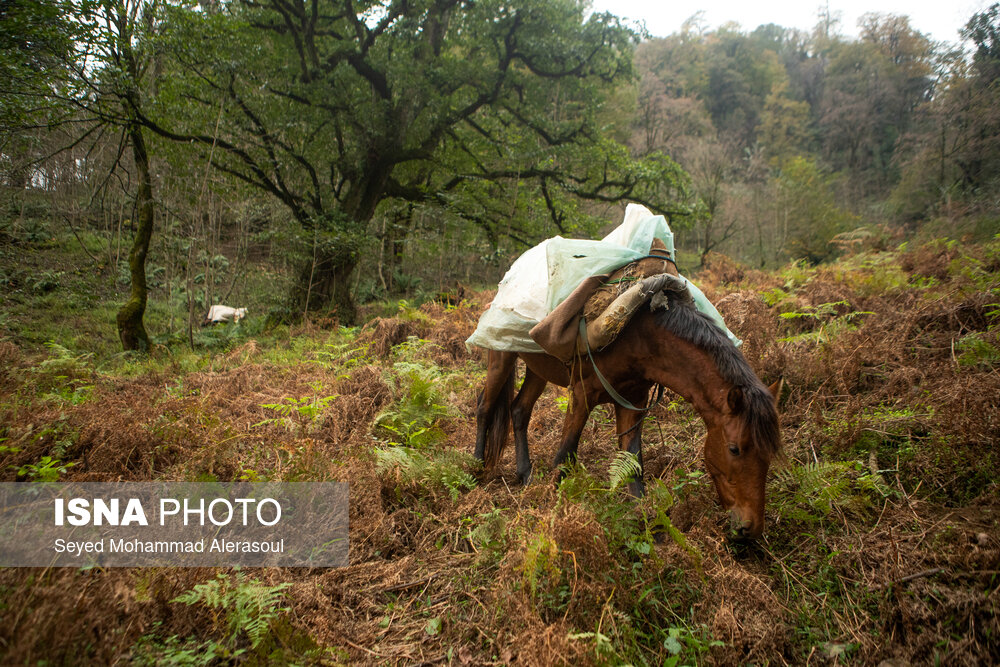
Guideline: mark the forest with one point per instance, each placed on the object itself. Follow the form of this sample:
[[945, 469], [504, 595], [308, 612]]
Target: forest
[[359, 176]]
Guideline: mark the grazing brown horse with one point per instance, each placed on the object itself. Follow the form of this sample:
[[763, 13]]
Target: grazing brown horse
[[678, 348]]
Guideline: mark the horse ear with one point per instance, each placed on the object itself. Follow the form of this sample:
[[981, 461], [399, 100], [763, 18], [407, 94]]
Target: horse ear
[[776, 388], [735, 400]]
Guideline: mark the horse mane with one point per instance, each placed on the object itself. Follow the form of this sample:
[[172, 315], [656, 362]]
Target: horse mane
[[682, 319]]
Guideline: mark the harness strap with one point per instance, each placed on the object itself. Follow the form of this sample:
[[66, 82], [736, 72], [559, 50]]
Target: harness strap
[[618, 398], [638, 423], [665, 258]]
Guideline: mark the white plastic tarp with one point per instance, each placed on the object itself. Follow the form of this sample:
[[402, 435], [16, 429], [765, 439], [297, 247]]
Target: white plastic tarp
[[542, 277]]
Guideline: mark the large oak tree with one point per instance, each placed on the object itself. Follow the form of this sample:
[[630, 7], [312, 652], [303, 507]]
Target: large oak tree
[[336, 107]]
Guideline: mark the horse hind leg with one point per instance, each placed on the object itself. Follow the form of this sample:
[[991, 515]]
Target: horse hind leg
[[493, 409], [520, 414]]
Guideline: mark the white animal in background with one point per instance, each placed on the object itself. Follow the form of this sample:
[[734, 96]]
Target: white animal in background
[[218, 314]]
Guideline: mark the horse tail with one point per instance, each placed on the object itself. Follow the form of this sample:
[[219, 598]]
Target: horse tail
[[498, 423]]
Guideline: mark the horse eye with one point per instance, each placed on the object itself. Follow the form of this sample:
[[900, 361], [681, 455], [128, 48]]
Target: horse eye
[[734, 450]]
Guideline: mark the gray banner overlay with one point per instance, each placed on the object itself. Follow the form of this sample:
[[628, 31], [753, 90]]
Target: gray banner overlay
[[182, 524]]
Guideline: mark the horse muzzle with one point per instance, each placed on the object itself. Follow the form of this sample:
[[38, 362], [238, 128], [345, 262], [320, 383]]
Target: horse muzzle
[[742, 530]]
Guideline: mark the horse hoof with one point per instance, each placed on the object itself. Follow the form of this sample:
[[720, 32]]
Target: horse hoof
[[525, 477]]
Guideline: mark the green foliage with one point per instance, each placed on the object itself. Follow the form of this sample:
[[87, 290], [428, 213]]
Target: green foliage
[[433, 472], [687, 640], [36, 41], [433, 626], [974, 272], [877, 278], [774, 297], [48, 469], [151, 651], [248, 606], [540, 570], [813, 493], [413, 421], [488, 535], [796, 274], [775, 103], [72, 395], [603, 646], [303, 414], [61, 438], [347, 354], [494, 137], [624, 528], [889, 433], [64, 363], [805, 198], [623, 469], [831, 324], [677, 644], [46, 281], [660, 498], [222, 336], [978, 349], [823, 310], [7, 449]]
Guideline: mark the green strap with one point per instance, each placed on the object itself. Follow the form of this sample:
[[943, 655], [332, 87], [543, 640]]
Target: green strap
[[618, 398], [626, 279]]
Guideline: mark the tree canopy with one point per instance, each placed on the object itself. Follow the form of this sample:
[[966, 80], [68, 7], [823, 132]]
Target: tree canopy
[[487, 110]]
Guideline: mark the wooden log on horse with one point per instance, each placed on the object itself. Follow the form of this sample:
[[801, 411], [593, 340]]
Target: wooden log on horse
[[676, 347], [657, 262], [607, 325]]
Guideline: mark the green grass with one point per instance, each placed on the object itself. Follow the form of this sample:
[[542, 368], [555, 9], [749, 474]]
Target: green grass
[[52, 290]]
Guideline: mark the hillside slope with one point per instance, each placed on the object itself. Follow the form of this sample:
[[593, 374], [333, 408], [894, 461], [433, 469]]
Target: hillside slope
[[882, 539]]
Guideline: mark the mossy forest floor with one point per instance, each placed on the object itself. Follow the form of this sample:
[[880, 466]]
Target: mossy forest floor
[[882, 539]]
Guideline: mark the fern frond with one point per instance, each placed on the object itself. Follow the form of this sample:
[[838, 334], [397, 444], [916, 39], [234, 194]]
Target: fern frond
[[443, 470], [251, 604], [623, 469]]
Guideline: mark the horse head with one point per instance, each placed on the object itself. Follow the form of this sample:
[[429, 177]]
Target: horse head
[[741, 442]]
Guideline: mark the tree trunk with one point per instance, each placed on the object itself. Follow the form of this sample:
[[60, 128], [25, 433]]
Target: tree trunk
[[131, 330], [324, 279], [402, 222], [324, 284]]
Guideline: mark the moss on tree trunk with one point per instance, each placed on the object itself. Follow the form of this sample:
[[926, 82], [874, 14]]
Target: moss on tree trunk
[[131, 329]]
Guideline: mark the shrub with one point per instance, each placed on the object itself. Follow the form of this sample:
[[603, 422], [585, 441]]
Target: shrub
[[443, 471], [248, 605], [413, 421]]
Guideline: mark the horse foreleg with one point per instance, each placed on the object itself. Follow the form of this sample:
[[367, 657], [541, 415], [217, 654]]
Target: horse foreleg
[[499, 368], [629, 425], [520, 415], [576, 419]]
